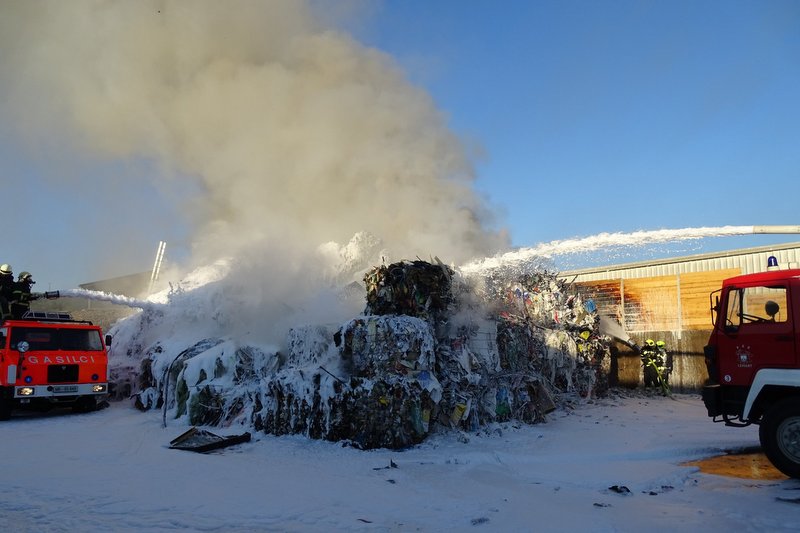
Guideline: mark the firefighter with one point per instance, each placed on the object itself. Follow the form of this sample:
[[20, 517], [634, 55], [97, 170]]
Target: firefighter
[[650, 364], [6, 290], [21, 295], [665, 368], [583, 340]]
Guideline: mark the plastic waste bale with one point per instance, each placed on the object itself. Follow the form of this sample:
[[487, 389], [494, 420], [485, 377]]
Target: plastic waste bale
[[412, 288], [387, 345], [308, 345], [392, 412], [210, 383], [160, 370]]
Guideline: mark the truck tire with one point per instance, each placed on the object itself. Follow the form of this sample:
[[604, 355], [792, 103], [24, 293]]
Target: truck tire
[[5, 405], [85, 404], [779, 434]]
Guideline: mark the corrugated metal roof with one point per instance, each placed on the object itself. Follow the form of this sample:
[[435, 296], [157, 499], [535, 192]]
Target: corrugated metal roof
[[749, 260]]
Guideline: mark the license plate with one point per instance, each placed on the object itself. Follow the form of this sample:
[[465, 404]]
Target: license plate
[[65, 388]]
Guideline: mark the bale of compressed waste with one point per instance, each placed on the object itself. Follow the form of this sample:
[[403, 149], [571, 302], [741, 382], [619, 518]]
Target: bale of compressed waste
[[385, 413], [412, 288], [387, 345]]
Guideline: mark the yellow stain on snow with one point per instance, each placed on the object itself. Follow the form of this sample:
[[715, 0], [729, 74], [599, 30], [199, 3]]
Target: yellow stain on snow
[[750, 465]]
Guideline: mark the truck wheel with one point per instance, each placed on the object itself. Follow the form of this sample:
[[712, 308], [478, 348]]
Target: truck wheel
[[780, 436], [5, 405], [85, 404]]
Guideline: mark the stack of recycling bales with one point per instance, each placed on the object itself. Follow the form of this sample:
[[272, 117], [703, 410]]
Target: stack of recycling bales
[[378, 387], [385, 399], [547, 344], [540, 340], [551, 331], [429, 353]]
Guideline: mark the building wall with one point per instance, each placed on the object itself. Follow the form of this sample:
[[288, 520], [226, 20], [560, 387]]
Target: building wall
[[669, 300], [675, 303]]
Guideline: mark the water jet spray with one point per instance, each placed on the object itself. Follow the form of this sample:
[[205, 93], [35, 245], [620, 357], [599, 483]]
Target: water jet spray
[[108, 297], [608, 240], [610, 327]]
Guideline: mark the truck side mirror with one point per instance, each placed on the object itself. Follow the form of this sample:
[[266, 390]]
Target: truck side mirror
[[715, 308], [108, 340], [772, 308]]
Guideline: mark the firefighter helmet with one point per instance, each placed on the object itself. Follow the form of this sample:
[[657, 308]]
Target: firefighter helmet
[[660, 344], [650, 342], [25, 276], [5, 269]]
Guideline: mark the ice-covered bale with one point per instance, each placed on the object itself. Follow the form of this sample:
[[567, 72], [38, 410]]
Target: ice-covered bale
[[374, 388], [379, 345], [308, 346], [209, 383], [392, 412]]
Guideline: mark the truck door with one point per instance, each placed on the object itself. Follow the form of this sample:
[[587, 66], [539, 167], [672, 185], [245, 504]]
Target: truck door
[[758, 330]]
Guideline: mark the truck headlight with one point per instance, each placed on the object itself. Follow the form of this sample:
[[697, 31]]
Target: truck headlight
[[26, 391], [99, 388]]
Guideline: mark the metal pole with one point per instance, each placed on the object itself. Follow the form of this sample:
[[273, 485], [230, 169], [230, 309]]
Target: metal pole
[[159, 260], [157, 265], [776, 229], [680, 308], [622, 303]]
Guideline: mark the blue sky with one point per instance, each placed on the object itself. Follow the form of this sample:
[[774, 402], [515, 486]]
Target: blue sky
[[582, 117], [615, 116]]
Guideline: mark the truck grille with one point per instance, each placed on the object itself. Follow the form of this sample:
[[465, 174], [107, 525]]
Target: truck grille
[[62, 373]]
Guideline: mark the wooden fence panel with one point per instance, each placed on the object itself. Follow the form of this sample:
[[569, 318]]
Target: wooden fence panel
[[652, 304]]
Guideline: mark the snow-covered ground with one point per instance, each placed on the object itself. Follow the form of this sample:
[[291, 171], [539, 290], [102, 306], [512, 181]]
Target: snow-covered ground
[[113, 470]]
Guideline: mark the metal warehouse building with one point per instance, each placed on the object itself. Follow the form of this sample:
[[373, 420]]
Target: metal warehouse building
[[670, 299]]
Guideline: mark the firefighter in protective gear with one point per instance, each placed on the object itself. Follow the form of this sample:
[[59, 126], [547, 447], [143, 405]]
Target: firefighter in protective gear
[[649, 354], [583, 340], [6, 290], [654, 363], [665, 368], [21, 295]]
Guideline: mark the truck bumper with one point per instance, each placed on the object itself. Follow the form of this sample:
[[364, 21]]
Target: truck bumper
[[57, 393]]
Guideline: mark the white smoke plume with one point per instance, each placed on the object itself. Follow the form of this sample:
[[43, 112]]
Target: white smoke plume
[[287, 129], [295, 132]]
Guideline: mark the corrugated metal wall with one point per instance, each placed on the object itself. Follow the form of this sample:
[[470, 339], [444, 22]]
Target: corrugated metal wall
[[748, 260]]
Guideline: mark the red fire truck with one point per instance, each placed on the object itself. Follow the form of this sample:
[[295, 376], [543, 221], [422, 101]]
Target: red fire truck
[[48, 359], [752, 360]]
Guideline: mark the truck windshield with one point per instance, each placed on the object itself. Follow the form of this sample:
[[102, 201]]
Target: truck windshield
[[57, 339]]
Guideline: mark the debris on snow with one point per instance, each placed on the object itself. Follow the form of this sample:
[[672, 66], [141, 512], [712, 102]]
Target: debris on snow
[[202, 441]]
